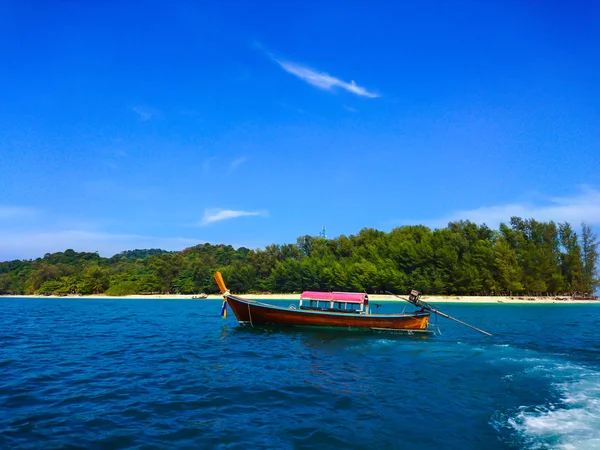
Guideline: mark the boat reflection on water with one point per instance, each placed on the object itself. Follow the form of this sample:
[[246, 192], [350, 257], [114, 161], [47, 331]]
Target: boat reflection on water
[[223, 336], [320, 336]]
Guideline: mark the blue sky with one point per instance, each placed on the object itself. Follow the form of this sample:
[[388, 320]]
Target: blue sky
[[167, 124]]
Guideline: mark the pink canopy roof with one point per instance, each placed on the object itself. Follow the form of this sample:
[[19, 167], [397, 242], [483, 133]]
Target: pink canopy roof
[[346, 297]]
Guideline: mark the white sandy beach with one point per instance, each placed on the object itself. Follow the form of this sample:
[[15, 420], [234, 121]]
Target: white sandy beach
[[372, 298]]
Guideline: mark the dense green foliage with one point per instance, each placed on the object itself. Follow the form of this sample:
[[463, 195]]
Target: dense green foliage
[[526, 256]]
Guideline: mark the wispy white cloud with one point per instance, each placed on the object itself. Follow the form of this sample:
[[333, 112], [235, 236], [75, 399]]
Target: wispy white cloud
[[293, 108], [121, 154], [117, 188], [323, 80], [236, 163], [146, 112], [218, 215], [111, 164], [16, 212], [28, 244], [206, 164], [190, 113], [583, 206]]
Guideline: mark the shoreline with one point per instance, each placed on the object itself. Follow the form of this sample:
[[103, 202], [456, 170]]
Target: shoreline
[[373, 298]]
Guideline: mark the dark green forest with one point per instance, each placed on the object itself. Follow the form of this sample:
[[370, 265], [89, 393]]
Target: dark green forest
[[524, 257]]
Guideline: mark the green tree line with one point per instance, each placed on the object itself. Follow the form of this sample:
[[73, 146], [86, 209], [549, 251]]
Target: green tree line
[[522, 257]]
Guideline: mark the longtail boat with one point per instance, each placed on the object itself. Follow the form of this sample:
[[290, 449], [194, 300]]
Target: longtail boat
[[324, 309], [333, 309]]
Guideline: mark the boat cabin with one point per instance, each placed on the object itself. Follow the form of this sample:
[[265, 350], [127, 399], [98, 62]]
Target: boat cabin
[[345, 302]]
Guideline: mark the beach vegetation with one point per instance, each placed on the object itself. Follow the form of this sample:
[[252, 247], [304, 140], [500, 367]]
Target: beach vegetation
[[522, 257]]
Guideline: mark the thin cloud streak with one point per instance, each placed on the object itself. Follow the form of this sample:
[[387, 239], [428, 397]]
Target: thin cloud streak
[[207, 163], [323, 80], [146, 113], [236, 163], [116, 188], [16, 212], [218, 215], [582, 207]]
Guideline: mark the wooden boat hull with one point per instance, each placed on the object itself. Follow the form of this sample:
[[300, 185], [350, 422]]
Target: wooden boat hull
[[255, 313]]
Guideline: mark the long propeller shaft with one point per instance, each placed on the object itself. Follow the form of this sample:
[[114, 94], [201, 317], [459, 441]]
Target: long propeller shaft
[[434, 310], [459, 321]]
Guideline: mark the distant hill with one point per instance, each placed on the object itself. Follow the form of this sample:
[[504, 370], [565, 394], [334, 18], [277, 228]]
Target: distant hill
[[140, 253]]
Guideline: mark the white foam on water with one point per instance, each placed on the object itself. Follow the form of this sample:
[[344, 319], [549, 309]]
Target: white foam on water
[[572, 422]]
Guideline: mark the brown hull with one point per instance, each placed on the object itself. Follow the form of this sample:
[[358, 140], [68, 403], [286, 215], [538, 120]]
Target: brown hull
[[254, 313]]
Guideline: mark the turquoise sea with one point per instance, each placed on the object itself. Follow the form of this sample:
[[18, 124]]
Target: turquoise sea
[[166, 374]]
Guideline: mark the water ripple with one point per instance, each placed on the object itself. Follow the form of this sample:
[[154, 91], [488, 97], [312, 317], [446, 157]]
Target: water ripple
[[172, 374]]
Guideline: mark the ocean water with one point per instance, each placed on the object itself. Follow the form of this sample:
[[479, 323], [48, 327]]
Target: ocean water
[[153, 374]]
